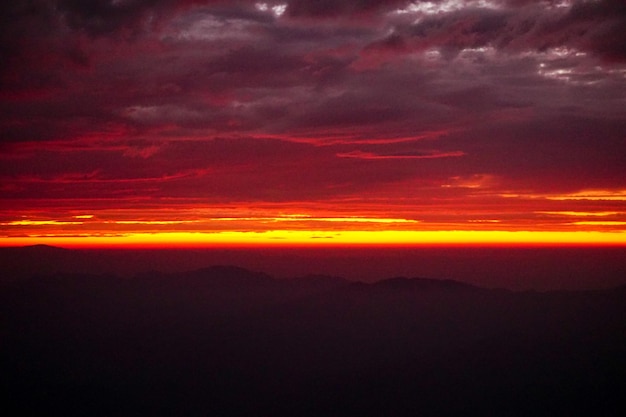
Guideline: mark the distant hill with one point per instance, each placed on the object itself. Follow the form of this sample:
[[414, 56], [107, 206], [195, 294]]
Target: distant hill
[[545, 268], [23, 262], [227, 341], [403, 283]]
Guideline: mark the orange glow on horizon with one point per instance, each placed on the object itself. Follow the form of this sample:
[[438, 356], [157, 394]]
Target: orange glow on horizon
[[335, 224], [277, 238]]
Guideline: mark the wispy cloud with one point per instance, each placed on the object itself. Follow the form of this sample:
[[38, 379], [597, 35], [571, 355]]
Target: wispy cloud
[[422, 155]]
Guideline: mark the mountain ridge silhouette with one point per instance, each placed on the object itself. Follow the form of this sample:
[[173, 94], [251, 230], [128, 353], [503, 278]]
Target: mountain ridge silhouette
[[224, 340]]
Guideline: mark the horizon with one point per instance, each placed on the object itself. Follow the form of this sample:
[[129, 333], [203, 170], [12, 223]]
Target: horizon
[[326, 238]]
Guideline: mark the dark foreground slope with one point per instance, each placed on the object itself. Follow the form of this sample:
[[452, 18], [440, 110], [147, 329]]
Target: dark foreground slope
[[226, 341]]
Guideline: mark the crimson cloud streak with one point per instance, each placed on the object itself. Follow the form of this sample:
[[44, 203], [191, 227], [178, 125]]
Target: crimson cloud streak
[[121, 116]]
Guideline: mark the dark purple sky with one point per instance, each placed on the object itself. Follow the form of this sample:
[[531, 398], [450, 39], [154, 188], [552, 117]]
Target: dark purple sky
[[120, 114]]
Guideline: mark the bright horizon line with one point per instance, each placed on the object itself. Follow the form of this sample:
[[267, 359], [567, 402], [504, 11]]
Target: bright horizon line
[[325, 238]]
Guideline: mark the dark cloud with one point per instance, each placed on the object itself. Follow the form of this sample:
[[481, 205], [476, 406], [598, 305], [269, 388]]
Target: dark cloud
[[333, 8], [602, 29], [593, 26], [105, 16]]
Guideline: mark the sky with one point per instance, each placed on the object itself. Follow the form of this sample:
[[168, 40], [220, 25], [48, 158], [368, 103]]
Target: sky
[[163, 122]]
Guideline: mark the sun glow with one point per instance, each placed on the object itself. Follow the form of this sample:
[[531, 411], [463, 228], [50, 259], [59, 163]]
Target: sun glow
[[324, 238], [200, 226], [39, 223]]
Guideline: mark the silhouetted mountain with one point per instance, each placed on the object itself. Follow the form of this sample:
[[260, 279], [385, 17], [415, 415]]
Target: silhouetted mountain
[[521, 268], [228, 341], [23, 262], [404, 284]]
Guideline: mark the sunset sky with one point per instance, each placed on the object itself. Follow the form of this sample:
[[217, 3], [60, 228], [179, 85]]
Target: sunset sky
[[163, 122]]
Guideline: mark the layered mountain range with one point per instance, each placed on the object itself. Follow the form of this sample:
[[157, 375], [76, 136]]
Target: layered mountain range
[[226, 341]]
